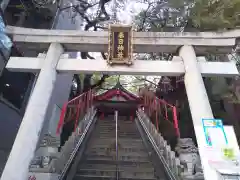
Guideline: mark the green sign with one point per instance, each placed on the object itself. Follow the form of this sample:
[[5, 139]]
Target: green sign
[[228, 153]]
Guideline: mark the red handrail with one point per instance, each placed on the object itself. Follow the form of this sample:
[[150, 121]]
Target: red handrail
[[76, 106], [161, 107]]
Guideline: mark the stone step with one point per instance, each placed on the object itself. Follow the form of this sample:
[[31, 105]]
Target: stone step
[[113, 124], [113, 129], [113, 152], [106, 147], [122, 136], [121, 151], [133, 167], [134, 142], [113, 134], [121, 173], [113, 162], [122, 141], [112, 157], [92, 177], [113, 121]]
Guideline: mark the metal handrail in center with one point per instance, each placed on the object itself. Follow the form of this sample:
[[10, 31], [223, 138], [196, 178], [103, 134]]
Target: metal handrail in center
[[116, 145]]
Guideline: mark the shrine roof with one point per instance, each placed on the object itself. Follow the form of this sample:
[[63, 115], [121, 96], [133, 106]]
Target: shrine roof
[[117, 93]]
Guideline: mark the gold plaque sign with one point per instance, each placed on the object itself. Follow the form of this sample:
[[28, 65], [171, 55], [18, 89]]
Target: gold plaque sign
[[120, 44]]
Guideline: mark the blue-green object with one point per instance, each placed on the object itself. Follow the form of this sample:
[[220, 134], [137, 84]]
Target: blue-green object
[[5, 41], [212, 123]]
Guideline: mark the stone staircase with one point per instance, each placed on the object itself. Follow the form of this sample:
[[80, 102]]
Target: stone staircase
[[99, 159], [96, 156]]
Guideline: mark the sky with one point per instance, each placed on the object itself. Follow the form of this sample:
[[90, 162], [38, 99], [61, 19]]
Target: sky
[[131, 9], [124, 15]]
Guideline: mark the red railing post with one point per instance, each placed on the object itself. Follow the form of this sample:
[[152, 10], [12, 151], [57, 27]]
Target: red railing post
[[90, 98], [166, 112], [156, 109], [85, 102], [144, 101], [176, 121], [159, 107], [148, 105], [77, 114], [151, 106], [118, 95], [62, 116]]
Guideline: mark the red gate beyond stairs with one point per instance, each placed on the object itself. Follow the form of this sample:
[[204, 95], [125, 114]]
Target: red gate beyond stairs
[[79, 105]]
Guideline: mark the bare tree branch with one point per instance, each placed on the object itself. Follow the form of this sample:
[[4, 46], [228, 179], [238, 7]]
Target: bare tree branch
[[144, 79], [101, 16]]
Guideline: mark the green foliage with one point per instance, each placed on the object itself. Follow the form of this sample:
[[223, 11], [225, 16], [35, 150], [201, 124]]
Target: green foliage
[[110, 82], [211, 14], [216, 15], [205, 15], [95, 78]]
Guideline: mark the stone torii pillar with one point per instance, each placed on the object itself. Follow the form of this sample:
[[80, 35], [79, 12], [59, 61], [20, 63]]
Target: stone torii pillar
[[195, 88], [28, 134], [198, 103], [197, 97]]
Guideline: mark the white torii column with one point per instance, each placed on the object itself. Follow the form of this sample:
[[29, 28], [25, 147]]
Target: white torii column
[[28, 134], [198, 102]]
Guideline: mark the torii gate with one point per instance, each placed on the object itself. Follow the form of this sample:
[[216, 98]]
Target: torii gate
[[55, 42]]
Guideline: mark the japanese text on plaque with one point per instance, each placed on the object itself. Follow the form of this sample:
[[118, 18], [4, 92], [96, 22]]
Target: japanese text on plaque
[[120, 49]]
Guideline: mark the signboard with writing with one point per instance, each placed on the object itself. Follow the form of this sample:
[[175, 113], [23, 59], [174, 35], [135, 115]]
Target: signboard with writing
[[214, 132], [120, 44], [218, 150]]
